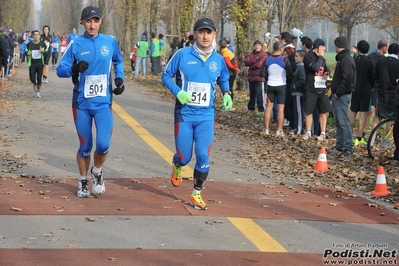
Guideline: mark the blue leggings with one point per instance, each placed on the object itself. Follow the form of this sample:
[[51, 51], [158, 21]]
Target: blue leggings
[[186, 133], [104, 123]]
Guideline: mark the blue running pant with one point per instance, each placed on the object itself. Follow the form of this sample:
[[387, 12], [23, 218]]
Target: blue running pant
[[104, 123], [188, 133]]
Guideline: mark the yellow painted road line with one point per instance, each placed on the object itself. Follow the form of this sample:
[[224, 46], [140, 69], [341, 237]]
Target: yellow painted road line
[[259, 237], [149, 139]]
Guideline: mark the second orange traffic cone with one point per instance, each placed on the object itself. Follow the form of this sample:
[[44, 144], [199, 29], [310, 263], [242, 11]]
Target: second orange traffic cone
[[381, 188], [321, 164]]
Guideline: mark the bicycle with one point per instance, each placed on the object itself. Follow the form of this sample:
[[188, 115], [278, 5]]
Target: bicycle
[[381, 144]]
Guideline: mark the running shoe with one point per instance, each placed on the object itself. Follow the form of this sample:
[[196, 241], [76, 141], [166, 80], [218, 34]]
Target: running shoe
[[286, 123], [38, 95], [321, 137], [175, 175], [34, 88], [83, 189], [98, 186], [306, 136], [45, 80], [357, 142], [265, 131], [197, 202], [280, 134], [386, 144]]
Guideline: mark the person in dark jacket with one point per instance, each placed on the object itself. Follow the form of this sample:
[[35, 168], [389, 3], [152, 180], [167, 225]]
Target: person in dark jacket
[[254, 62], [361, 97], [317, 72], [298, 92], [386, 75], [342, 86], [3, 50], [289, 51], [10, 45], [382, 49]]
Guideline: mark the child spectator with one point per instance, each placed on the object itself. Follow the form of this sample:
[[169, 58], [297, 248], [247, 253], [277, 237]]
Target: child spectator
[[298, 92]]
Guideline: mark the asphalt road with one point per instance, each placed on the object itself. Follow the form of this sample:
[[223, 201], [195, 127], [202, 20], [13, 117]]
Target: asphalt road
[[142, 220]]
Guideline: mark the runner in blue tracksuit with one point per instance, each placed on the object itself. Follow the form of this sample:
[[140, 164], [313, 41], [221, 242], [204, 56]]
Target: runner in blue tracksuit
[[88, 60], [201, 68]]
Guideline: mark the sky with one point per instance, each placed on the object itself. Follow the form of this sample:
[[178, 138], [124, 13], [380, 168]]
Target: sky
[[38, 3]]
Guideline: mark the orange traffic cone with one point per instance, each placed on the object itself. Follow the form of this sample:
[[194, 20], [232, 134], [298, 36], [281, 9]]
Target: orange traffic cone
[[381, 188], [321, 164]]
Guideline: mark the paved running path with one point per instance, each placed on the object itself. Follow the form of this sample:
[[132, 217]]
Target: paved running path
[[143, 220]]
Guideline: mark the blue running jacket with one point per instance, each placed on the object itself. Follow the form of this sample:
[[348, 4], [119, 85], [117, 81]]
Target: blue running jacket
[[92, 88], [199, 79]]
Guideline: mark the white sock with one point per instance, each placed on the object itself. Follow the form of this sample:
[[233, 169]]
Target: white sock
[[196, 191], [96, 170], [82, 177], [308, 132], [322, 133]]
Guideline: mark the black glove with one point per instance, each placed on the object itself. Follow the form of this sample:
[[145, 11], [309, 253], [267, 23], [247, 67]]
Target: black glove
[[79, 67], [120, 87]]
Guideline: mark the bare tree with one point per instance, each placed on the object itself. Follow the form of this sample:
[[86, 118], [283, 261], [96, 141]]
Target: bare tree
[[389, 19], [346, 14]]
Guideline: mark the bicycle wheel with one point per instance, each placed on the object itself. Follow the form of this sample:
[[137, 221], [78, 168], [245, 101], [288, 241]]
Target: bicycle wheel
[[381, 145]]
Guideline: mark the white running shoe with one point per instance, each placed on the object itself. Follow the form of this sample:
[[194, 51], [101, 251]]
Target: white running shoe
[[45, 80], [265, 131], [321, 137], [280, 134], [83, 189], [98, 186], [286, 123], [38, 95], [306, 136]]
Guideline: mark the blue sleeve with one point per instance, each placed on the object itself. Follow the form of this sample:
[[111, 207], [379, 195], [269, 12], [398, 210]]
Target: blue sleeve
[[223, 80], [118, 62], [170, 71]]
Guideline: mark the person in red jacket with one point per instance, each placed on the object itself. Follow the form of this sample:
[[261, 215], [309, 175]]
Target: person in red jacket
[[231, 63], [254, 63]]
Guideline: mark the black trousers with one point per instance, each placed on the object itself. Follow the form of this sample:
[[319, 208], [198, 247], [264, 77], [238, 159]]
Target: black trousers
[[36, 73], [256, 96]]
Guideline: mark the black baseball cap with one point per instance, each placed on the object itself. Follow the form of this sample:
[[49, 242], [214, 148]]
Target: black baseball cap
[[91, 12], [205, 23]]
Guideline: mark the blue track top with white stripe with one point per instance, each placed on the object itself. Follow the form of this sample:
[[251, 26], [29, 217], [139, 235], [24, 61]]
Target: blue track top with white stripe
[[92, 88], [199, 79]]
